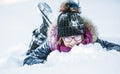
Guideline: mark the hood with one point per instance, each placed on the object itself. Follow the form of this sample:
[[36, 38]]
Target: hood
[[92, 28]]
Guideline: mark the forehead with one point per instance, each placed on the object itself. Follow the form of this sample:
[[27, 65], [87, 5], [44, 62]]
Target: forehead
[[74, 36]]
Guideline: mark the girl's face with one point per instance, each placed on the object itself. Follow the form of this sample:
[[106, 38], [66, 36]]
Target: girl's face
[[70, 41]]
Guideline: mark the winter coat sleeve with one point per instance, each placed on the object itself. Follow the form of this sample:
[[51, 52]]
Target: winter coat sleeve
[[108, 45], [39, 55]]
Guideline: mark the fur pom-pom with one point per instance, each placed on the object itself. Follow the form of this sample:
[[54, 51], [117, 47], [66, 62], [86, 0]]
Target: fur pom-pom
[[69, 6]]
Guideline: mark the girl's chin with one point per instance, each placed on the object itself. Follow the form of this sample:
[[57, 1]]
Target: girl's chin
[[70, 46]]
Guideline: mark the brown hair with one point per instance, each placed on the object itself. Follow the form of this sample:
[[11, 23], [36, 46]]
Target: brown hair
[[60, 41]]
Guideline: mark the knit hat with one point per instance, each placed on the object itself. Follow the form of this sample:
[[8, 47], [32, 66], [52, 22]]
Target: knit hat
[[69, 24]]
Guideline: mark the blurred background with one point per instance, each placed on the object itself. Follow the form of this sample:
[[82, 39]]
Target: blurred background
[[18, 18]]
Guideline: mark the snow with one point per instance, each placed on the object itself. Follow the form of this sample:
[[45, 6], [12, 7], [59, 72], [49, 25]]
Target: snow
[[22, 18], [90, 59]]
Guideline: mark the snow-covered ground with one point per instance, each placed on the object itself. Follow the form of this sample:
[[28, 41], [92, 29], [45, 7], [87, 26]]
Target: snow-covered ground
[[18, 18]]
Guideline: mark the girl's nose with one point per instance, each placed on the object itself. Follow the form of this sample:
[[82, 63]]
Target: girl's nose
[[73, 42]]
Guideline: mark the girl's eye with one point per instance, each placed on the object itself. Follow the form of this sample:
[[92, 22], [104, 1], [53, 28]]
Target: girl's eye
[[77, 37], [67, 39]]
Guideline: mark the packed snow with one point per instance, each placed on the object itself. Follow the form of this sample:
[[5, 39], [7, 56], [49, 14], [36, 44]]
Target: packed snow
[[19, 19]]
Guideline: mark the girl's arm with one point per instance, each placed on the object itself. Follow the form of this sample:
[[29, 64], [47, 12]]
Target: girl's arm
[[108, 45]]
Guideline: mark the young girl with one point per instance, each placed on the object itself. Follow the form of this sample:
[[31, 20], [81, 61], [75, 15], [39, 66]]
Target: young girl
[[71, 29]]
